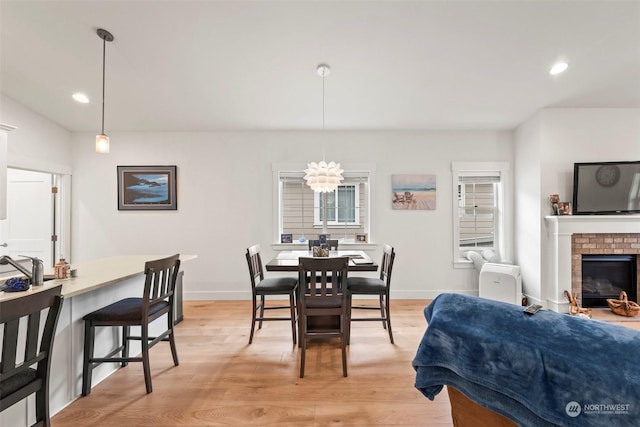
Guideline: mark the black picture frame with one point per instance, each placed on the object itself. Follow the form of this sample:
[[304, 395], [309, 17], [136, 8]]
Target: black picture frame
[[286, 238], [147, 188]]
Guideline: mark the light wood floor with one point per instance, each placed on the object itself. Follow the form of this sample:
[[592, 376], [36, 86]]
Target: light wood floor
[[222, 380]]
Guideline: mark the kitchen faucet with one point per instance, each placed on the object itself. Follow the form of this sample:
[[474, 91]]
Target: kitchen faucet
[[36, 276]]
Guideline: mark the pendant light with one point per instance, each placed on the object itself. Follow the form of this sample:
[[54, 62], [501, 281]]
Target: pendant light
[[102, 140], [323, 177]]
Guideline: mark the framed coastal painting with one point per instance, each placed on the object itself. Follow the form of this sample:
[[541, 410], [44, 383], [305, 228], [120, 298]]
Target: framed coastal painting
[[413, 192], [147, 188]]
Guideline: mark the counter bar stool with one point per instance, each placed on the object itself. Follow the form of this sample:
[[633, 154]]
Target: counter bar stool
[[374, 286], [22, 349], [261, 287], [157, 300]]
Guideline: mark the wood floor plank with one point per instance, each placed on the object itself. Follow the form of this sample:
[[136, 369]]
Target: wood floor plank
[[221, 380]]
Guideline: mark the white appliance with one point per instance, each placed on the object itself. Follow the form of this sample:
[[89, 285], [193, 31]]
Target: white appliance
[[501, 282]]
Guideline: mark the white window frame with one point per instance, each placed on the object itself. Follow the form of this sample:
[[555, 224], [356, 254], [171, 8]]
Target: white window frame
[[316, 204], [355, 168], [503, 227]]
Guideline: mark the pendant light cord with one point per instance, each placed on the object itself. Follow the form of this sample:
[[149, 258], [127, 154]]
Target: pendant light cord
[[323, 138], [104, 54], [323, 101]]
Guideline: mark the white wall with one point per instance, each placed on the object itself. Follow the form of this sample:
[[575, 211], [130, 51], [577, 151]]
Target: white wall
[[547, 146], [528, 203], [225, 200], [37, 143]]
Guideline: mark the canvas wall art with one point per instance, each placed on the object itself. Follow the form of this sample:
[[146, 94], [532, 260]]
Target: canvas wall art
[[413, 192]]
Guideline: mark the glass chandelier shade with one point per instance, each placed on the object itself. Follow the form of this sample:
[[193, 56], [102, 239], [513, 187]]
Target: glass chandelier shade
[[323, 177], [102, 144]]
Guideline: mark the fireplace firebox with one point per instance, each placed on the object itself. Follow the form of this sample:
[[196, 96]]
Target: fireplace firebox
[[605, 276]]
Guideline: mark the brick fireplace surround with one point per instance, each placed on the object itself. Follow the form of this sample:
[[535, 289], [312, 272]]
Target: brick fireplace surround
[[561, 256], [601, 244]]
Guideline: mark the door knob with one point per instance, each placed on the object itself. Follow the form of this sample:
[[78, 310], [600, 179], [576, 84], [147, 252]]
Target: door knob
[[4, 245]]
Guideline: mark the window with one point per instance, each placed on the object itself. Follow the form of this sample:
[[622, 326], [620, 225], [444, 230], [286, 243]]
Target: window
[[343, 206], [478, 208], [301, 211]]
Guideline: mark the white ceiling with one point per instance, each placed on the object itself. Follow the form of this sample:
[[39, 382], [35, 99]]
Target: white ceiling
[[237, 65]]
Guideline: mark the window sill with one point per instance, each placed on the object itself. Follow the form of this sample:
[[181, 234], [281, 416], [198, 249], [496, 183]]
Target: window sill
[[463, 263], [350, 246]]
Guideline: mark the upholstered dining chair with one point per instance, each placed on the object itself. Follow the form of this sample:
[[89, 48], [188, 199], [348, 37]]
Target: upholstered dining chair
[[262, 287], [27, 349], [156, 301], [323, 306], [357, 285]]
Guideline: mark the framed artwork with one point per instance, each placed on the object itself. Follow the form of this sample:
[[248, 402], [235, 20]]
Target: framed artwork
[[361, 237], [147, 188], [413, 192], [286, 238], [565, 208]]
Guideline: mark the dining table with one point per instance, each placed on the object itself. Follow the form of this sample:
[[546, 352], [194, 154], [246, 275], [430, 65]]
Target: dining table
[[288, 260]]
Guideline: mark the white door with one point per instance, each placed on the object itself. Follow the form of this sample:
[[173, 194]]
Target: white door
[[28, 227]]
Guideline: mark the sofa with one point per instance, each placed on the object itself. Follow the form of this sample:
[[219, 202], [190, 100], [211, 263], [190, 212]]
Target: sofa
[[532, 370]]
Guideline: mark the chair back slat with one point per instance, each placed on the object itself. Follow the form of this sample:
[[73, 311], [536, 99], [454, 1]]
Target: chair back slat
[[388, 256], [33, 332], [254, 261], [9, 345], [24, 330], [325, 276], [332, 244], [160, 280]]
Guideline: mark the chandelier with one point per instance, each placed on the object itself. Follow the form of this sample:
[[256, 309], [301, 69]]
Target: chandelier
[[323, 177]]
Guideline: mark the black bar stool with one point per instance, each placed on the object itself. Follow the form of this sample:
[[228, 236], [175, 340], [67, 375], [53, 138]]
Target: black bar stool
[[157, 300]]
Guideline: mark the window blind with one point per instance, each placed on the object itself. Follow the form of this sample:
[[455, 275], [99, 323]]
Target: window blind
[[477, 210]]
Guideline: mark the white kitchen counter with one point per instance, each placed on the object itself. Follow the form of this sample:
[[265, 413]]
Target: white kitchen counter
[[92, 275], [98, 283]]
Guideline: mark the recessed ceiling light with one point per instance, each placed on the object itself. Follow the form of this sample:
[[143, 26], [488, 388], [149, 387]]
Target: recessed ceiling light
[[558, 68], [81, 97]]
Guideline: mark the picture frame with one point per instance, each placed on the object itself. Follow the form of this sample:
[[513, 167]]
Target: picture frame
[[565, 208], [286, 238], [147, 188], [361, 238], [413, 192]]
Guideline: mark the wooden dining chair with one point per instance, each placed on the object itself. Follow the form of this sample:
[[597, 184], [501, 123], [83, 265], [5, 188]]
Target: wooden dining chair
[[156, 301], [332, 244], [323, 307], [27, 347], [381, 286], [262, 287]]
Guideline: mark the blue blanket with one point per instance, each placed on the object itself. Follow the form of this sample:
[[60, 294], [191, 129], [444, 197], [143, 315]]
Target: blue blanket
[[545, 369]]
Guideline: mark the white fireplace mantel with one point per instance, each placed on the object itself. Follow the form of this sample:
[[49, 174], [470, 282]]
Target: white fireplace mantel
[[558, 249]]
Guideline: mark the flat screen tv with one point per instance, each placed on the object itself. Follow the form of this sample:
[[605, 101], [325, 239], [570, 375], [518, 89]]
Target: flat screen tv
[[606, 188]]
